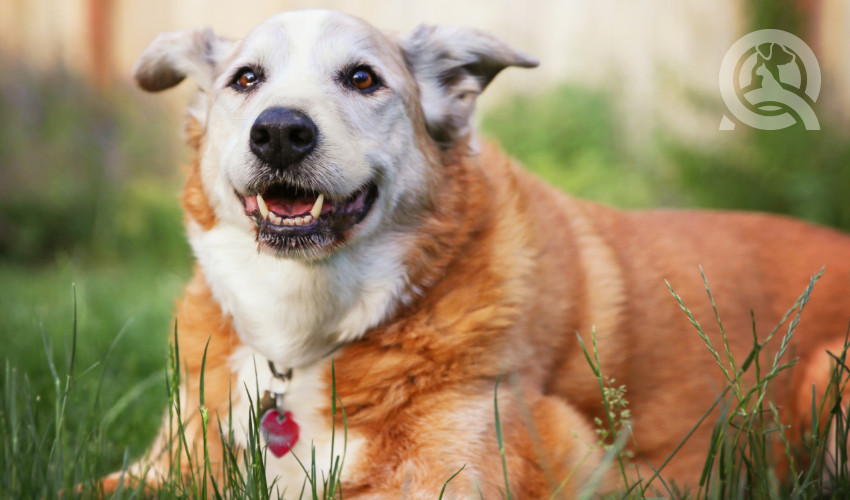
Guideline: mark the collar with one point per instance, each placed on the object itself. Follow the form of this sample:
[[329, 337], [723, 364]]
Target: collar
[[277, 387], [279, 384]]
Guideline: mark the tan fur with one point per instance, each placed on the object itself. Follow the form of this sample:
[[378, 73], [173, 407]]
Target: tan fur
[[503, 272], [195, 201]]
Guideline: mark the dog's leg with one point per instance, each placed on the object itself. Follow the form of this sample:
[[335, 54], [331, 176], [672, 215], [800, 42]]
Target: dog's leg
[[565, 444], [548, 447], [202, 330], [819, 384]]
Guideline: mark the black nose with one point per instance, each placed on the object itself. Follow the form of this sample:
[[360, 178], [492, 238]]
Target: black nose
[[283, 136]]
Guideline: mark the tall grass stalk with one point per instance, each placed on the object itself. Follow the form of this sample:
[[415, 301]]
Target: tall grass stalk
[[41, 457], [613, 429], [499, 439]]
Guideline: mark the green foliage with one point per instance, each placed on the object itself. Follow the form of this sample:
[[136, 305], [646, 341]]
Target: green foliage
[[500, 439], [569, 136], [57, 431], [792, 171], [83, 173], [613, 440], [775, 14], [123, 316], [617, 416], [56, 441], [747, 430], [87, 197]]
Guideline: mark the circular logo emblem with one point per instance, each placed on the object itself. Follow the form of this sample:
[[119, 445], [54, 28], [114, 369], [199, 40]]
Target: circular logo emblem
[[770, 80]]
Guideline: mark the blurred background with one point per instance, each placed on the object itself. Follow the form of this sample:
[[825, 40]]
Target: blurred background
[[624, 109]]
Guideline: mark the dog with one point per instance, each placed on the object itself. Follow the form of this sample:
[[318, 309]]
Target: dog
[[353, 234]]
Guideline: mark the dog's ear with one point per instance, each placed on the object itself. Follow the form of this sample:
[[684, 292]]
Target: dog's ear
[[452, 65], [172, 57]]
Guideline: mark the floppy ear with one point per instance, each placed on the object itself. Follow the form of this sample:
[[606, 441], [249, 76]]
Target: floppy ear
[[452, 65], [171, 57]]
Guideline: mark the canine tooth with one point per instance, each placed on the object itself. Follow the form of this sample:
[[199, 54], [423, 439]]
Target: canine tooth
[[316, 211], [264, 209]]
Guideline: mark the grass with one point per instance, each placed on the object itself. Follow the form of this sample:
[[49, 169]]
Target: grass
[[56, 440], [499, 438], [89, 229], [119, 361], [741, 460]]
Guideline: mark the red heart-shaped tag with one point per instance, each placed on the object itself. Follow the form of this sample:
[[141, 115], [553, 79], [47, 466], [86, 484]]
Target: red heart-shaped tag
[[280, 432]]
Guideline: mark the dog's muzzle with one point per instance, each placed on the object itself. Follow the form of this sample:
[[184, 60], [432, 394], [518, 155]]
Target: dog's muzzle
[[295, 219]]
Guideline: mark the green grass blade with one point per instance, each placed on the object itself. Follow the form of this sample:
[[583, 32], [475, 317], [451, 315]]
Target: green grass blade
[[499, 438], [443, 489]]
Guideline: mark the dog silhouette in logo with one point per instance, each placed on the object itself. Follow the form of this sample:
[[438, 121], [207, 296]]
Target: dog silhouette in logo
[[768, 93]]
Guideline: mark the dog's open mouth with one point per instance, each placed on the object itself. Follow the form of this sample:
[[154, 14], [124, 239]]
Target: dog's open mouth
[[306, 222]]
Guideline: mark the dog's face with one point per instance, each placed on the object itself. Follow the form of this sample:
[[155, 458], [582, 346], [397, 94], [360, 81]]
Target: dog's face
[[321, 131]]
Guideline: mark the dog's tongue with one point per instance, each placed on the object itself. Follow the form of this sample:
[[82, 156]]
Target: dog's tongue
[[282, 206], [290, 206]]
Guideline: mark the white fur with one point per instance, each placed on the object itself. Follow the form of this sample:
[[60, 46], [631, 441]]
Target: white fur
[[294, 312], [361, 138], [307, 399]]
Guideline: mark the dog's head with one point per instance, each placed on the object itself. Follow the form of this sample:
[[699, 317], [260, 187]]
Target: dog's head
[[318, 129]]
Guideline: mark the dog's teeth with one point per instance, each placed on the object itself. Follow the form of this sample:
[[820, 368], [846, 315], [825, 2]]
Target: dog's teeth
[[289, 221], [264, 209], [316, 211]]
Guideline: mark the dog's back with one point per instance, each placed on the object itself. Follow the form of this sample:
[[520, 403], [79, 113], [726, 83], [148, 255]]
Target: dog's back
[[614, 267]]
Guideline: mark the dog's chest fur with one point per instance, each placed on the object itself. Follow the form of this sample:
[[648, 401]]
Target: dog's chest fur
[[308, 399], [295, 313]]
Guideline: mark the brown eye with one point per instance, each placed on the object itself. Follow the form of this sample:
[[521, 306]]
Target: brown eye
[[362, 79], [245, 79]]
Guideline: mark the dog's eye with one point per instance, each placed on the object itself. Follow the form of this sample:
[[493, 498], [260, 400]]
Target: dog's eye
[[363, 79], [246, 78]]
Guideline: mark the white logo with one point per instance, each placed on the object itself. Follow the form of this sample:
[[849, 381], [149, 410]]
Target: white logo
[[770, 80]]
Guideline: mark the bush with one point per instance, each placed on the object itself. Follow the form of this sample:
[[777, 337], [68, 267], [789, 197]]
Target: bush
[[569, 136], [72, 160]]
